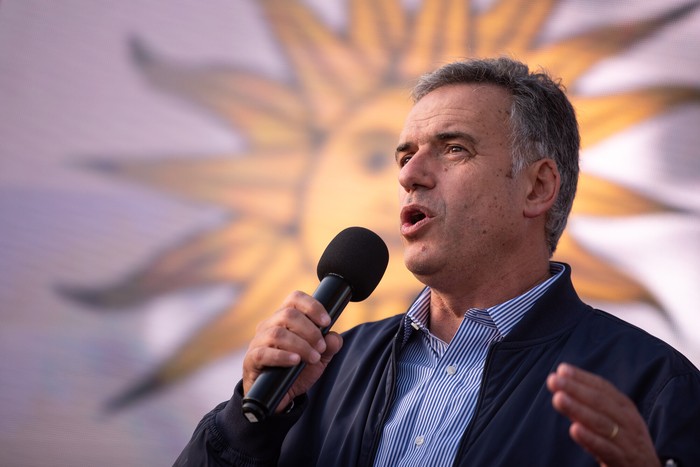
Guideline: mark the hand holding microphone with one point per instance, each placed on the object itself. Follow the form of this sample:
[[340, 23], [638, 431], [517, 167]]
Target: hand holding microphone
[[292, 348]]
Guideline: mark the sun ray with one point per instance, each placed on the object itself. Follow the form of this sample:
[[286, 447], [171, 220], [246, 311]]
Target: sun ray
[[268, 113], [597, 279], [232, 254], [455, 42], [602, 116], [378, 30], [275, 169], [260, 185], [330, 74], [599, 197], [436, 34], [524, 19], [590, 47]]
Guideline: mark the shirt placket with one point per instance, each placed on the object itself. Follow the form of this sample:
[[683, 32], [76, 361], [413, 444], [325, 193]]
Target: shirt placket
[[455, 367]]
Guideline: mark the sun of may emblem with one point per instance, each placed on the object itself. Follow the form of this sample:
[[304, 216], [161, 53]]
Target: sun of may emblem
[[319, 156]]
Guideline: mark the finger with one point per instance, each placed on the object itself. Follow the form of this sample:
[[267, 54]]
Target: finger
[[588, 399], [605, 422], [567, 372], [260, 358], [296, 322], [334, 342], [587, 388], [594, 431], [290, 340], [289, 350], [308, 305], [602, 448], [257, 358], [310, 374], [594, 421]]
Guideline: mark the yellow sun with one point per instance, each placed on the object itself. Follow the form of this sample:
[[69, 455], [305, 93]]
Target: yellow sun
[[319, 156]]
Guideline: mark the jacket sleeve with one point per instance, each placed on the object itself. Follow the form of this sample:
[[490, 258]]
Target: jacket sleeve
[[225, 437], [674, 421]]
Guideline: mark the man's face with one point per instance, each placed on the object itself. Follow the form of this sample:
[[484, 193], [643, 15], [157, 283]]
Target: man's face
[[462, 210]]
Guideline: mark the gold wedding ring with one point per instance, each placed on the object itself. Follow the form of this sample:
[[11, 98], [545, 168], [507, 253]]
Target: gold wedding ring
[[615, 430]]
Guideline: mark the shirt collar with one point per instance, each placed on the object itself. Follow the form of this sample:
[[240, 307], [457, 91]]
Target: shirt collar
[[504, 315]]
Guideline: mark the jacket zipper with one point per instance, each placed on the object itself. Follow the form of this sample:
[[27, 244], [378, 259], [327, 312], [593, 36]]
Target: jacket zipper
[[479, 401], [389, 400]]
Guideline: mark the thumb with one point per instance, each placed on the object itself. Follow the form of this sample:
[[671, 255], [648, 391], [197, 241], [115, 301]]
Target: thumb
[[334, 342]]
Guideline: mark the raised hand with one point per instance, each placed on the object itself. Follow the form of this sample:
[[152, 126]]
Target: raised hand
[[604, 421]]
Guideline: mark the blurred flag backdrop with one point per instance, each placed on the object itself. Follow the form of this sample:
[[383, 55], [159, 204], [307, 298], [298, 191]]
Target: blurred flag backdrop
[[169, 171]]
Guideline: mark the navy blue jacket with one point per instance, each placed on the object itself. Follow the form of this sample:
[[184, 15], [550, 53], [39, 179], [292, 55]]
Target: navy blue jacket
[[340, 422]]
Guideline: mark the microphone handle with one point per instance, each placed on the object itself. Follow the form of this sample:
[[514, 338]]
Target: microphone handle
[[274, 382]]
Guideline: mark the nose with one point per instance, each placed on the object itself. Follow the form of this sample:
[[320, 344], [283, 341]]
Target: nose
[[417, 173]]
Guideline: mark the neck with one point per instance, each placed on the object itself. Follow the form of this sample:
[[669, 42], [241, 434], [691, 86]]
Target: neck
[[450, 301]]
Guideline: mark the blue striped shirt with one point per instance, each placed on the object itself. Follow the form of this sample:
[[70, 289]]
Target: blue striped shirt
[[438, 383]]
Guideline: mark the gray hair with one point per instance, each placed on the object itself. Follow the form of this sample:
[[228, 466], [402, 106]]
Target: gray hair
[[543, 123]]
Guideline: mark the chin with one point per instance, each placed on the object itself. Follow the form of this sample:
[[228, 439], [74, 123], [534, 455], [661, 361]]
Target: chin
[[419, 267]]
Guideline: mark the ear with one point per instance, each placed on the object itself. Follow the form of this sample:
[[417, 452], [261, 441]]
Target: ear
[[542, 187]]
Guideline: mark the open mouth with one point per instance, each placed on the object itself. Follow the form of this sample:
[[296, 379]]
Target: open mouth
[[412, 215], [416, 217]]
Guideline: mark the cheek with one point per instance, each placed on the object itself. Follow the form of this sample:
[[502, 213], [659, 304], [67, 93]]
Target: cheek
[[486, 205], [490, 214]]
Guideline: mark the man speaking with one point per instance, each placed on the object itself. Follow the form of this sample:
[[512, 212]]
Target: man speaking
[[497, 362]]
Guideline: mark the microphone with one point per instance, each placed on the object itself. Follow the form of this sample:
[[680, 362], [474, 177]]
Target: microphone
[[349, 270]]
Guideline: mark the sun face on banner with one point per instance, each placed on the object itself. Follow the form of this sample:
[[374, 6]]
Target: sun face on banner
[[319, 155]]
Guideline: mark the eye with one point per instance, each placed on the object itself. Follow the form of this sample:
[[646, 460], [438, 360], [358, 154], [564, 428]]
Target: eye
[[403, 160], [453, 149]]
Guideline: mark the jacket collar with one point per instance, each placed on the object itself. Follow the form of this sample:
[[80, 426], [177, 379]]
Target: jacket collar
[[558, 309]]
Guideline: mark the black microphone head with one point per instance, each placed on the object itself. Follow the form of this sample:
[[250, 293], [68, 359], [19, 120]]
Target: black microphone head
[[359, 256]]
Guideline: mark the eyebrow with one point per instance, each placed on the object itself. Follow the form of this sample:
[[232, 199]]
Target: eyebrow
[[443, 136], [449, 135], [403, 147]]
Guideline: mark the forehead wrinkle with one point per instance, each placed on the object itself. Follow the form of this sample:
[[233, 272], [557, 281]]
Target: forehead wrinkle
[[452, 135]]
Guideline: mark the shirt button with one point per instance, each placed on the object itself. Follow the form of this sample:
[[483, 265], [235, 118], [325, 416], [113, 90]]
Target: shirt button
[[419, 440], [451, 370]]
